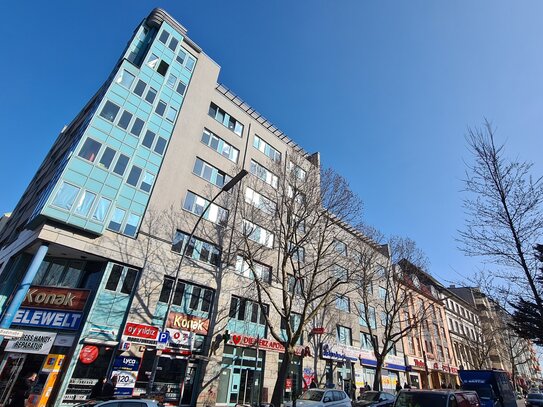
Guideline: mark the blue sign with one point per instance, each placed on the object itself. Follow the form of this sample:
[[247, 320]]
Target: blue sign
[[48, 318], [163, 337]]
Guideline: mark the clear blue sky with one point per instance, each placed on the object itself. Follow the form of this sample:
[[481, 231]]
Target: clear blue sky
[[384, 90]]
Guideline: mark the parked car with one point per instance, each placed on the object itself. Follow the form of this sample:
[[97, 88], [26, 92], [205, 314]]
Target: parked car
[[324, 398], [375, 399], [120, 403], [534, 400], [437, 398]]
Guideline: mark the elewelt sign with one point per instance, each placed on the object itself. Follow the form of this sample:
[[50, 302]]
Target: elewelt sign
[[48, 318]]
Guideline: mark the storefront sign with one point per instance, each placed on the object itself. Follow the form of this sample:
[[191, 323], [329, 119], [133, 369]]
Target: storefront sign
[[188, 323], [56, 298], [318, 331], [140, 333], [88, 354], [454, 370], [32, 342], [126, 370], [48, 318], [177, 338], [367, 358], [393, 362], [263, 344], [10, 333], [338, 351]]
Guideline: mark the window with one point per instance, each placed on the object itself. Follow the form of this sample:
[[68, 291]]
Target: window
[[257, 234], [298, 253], [416, 281], [124, 121], [181, 56], [173, 44], [100, 212], [164, 37], [121, 279], [219, 145], [131, 227], [65, 196], [160, 145], [152, 62], [147, 181], [151, 95], [134, 176], [343, 303], [225, 119], [265, 148], [181, 88], [364, 319], [260, 201], [382, 293], [365, 341], [140, 87], [90, 149], [84, 203], [170, 115], [196, 204], [163, 68], [262, 271], [125, 79], [170, 82], [116, 219], [295, 285], [243, 309], [264, 174], [210, 173], [340, 247], [107, 157], [190, 63], [148, 139], [137, 127], [197, 249], [298, 172], [160, 108], [344, 335], [121, 164], [167, 289], [110, 111], [340, 273], [200, 299]]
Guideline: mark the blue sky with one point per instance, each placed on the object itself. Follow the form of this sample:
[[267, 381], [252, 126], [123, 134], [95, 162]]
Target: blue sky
[[384, 90]]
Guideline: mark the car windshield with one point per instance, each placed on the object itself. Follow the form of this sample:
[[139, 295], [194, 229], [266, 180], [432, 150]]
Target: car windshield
[[535, 396], [411, 399], [370, 396], [312, 395]]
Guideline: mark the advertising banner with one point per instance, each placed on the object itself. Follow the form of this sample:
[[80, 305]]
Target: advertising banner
[[48, 318], [126, 370], [32, 342], [140, 333]]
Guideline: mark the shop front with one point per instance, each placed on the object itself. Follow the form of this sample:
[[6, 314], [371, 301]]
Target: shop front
[[340, 361], [393, 372], [417, 376]]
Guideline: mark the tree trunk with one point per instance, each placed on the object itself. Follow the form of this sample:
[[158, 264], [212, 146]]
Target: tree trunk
[[377, 378], [279, 388]]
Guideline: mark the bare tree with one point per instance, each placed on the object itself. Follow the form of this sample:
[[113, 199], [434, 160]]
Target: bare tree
[[298, 218], [384, 297], [504, 216]]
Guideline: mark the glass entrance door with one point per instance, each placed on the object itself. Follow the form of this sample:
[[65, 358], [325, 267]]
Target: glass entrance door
[[9, 372]]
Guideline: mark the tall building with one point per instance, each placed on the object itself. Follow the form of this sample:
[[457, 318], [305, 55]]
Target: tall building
[[90, 255]]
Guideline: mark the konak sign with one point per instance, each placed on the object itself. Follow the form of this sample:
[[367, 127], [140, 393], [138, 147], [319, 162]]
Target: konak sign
[[71, 299]]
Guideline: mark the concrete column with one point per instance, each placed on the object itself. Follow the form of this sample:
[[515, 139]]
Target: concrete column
[[20, 294]]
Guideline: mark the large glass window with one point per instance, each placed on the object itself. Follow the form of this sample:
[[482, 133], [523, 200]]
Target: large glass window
[[264, 174], [59, 273], [125, 79], [84, 203], [344, 335], [100, 212], [225, 119], [197, 249], [210, 173], [90, 149], [257, 234], [134, 176], [65, 196], [110, 111], [219, 145], [196, 204], [107, 157], [265, 148]]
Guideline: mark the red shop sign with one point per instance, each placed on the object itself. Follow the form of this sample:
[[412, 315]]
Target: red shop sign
[[88, 354], [141, 331]]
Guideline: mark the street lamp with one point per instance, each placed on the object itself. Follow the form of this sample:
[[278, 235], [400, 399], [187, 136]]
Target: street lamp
[[226, 187]]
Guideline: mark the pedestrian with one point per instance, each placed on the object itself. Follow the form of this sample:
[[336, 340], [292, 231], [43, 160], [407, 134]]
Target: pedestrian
[[398, 386], [22, 389], [313, 384], [449, 386], [109, 389], [368, 388], [97, 389], [406, 386]]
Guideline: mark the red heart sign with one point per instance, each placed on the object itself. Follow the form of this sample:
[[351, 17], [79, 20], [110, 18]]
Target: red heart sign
[[236, 339]]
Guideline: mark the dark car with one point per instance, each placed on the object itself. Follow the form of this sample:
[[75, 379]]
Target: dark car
[[375, 399], [437, 398], [534, 399]]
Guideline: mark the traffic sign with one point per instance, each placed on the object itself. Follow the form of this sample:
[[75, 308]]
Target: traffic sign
[[163, 337]]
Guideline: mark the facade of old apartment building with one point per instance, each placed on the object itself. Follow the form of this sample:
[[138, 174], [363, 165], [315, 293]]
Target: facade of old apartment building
[[89, 256]]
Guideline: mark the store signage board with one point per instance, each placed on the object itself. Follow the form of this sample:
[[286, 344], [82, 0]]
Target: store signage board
[[10, 333], [141, 334], [186, 322], [48, 318], [71, 299], [126, 369], [263, 343], [32, 342]]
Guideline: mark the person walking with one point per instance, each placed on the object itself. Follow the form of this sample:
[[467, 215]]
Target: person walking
[[22, 389], [108, 390], [398, 387], [97, 389]]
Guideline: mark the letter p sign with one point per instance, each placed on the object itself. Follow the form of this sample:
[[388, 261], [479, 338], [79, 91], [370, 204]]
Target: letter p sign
[[163, 337]]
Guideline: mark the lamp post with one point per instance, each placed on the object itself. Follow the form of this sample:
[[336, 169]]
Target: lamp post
[[226, 187]]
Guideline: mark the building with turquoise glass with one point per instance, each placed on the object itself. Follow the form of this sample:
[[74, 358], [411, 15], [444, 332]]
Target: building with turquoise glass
[[88, 256]]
